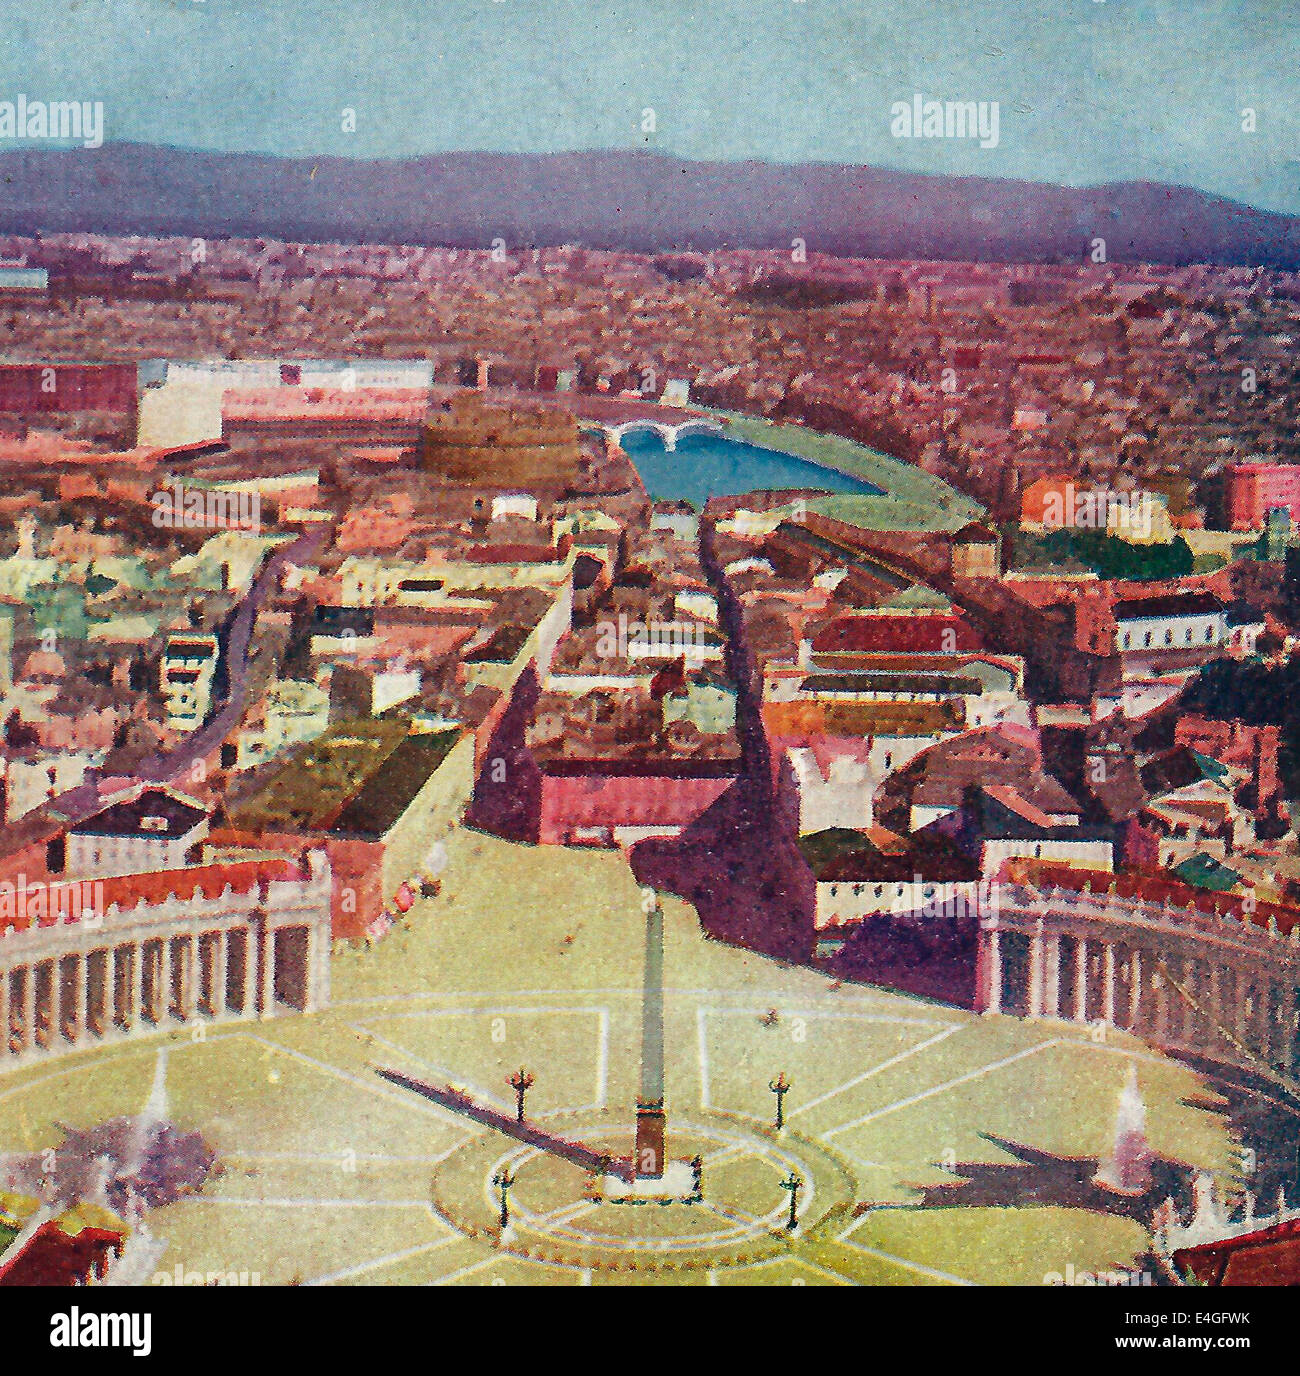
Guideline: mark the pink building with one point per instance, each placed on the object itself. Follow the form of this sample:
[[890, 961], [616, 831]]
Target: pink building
[[618, 803], [1251, 489]]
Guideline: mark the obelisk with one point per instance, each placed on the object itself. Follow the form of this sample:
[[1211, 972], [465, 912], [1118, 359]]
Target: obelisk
[[649, 1160]]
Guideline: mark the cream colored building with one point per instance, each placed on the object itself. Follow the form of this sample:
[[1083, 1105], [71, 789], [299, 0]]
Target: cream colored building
[[293, 711], [224, 943]]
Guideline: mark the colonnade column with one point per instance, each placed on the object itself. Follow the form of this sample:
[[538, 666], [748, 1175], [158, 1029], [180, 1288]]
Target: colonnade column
[[29, 1009], [193, 970], [1035, 991], [135, 999], [220, 964], [1080, 980], [1135, 990], [80, 975], [1052, 977], [1108, 983], [989, 970]]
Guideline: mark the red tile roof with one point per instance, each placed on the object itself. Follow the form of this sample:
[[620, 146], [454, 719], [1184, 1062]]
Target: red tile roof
[[1154, 888], [205, 881], [155, 887], [895, 631]]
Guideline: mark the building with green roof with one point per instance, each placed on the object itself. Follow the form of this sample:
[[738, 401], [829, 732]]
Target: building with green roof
[[377, 793]]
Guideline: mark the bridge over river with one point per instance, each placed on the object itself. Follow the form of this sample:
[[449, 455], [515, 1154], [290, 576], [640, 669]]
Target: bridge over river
[[669, 431]]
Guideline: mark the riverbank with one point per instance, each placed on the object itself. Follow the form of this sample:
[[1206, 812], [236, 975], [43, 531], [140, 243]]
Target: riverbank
[[910, 498]]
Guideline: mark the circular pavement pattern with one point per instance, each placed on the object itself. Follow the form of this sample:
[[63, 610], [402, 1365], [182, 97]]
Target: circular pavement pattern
[[556, 1216]]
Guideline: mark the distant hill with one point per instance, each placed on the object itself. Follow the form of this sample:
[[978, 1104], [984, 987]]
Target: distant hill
[[631, 200]]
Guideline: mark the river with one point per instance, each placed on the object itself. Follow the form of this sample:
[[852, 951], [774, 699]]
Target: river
[[704, 466]]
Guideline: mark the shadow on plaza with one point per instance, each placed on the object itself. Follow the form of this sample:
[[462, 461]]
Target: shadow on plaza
[[1040, 1178], [913, 954], [1263, 1118], [743, 876], [752, 887]]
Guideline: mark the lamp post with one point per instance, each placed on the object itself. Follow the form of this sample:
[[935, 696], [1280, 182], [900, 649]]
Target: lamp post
[[503, 1181], [794, 1183], [780, 1087], [521, 1082]]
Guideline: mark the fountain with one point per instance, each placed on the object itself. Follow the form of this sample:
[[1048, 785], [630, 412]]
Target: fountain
[[1127, 1170]]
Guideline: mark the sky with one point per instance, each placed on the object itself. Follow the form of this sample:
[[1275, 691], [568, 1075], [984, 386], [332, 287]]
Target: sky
[[1088, 91]]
